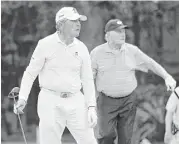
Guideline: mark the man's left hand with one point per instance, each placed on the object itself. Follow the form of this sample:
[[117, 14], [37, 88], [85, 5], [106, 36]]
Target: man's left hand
[[167, 137], [92, 117], [170, 83]]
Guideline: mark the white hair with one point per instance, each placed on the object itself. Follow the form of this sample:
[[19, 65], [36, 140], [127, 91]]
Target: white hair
[[60, 23]]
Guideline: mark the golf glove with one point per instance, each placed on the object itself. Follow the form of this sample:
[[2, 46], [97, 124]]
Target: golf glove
[[170, 83], [19, 106], [92, 117]]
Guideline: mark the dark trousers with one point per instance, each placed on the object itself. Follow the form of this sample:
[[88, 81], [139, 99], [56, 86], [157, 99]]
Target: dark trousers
[[116, 118]]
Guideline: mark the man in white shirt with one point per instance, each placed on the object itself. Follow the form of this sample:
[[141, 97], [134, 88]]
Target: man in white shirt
[[172, 119], [63, 65]]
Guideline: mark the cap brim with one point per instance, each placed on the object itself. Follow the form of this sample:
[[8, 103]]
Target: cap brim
[[77, 16], [123, 27], [117, 28], [83, 17]]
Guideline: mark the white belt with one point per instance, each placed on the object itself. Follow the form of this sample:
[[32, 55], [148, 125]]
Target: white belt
[[61, 94]]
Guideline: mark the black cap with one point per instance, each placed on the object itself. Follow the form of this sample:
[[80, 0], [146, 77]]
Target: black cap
[[113, 24]]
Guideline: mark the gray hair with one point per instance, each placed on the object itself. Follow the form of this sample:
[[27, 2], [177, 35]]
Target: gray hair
[[60, 23], [106, 36]]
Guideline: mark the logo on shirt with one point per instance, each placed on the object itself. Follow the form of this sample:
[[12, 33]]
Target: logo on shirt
[[32, 58], [76, 53]]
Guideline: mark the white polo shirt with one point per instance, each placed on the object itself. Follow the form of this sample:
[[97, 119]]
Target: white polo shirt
[[61, 68], [173, 106]]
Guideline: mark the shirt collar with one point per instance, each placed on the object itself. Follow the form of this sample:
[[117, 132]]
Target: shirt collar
[[75, 41], [110, 50]]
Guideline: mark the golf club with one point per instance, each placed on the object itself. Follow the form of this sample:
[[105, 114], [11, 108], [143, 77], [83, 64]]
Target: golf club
[[13, 94]]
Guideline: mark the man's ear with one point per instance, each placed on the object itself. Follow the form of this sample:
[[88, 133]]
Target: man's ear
[[59, 26], [106, 37]]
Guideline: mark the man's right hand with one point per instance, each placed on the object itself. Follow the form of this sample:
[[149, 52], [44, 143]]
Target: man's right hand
[[92, 117], [168, 137], [19, 106], [170, 83]]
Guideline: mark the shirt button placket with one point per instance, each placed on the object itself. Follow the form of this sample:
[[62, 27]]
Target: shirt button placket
[[115, 59]]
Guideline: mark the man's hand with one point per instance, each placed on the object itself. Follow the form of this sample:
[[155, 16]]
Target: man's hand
[[19, 106], [170, 83], [92, 117], [168, 137]]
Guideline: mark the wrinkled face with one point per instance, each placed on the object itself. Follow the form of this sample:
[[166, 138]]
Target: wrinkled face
[[72, 28], [118, 36]]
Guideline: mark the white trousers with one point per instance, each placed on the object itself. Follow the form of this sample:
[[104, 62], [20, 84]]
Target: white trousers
[[56, 113]]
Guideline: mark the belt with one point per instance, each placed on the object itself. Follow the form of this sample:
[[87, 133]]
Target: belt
[[114, 97], [61, 94], [175, 131]]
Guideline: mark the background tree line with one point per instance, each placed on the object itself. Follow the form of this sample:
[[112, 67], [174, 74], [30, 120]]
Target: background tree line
[[154, 28]]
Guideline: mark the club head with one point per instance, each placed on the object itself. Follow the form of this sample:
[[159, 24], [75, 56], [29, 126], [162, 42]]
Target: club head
[[14, 92]]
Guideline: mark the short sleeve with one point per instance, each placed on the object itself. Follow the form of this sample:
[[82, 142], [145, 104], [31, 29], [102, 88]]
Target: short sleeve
[[94, 63], [142, 60]]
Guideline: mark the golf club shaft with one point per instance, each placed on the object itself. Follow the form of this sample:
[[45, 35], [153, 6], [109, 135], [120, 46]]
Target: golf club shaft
[[23, 133]]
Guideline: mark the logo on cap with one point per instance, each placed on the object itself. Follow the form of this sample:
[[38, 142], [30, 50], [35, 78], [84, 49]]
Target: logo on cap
[[74, 10], [119, 22]]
